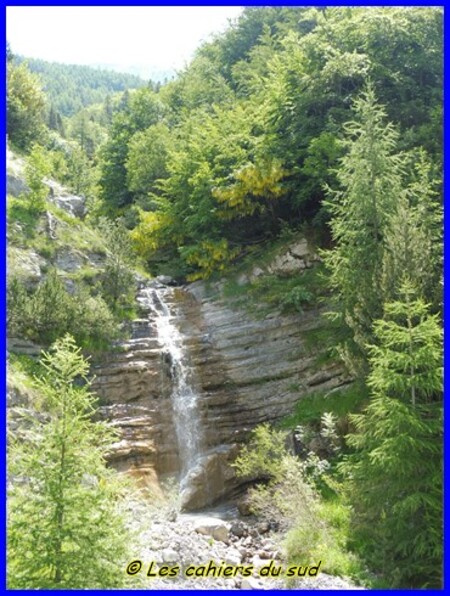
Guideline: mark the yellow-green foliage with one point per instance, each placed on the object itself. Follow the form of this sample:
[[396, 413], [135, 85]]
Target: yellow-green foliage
[[150, 234], [209, 256], [252, 181]]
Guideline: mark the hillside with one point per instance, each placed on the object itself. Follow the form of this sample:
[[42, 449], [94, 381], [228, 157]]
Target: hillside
[[72, 87]]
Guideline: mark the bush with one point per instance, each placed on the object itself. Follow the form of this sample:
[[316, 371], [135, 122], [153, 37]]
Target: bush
[[50, 311], [314, 529]]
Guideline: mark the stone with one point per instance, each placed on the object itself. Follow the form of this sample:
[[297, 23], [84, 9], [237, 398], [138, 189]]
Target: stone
[[300, 249], [251, 583], [15, 179], [169, 555], [233, 557], [210, 526], [15, 185], [166, 280], [242, 280], [25, 264], [238, 529], [244, 507], [257, 561], [256, 272], [23, 346], [242, 368], [69, 260], [263, 527], [74, 205]]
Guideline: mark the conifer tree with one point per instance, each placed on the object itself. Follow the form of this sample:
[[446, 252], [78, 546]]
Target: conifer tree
[[370, 183], [395, 475], [64, 528]]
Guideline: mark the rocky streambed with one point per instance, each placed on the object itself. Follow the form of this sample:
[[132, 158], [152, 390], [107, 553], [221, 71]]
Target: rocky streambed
[[195, 545]]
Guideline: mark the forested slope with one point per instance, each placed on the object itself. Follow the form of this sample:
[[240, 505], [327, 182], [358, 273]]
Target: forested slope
[[71, 87]]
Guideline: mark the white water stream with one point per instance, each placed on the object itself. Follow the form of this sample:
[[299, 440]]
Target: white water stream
[[184, 397]]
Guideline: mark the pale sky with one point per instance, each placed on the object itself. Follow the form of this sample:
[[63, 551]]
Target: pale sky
[[161, 37]]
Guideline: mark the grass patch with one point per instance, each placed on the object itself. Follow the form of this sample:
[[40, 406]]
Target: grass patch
[[22, 369], [22, 213], [333, 546]]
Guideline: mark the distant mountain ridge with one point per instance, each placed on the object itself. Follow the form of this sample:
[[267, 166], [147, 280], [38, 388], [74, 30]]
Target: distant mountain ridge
[[72, 87], [144, 71]]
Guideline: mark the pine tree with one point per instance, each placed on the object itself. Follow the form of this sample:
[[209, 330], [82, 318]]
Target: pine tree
[[413, 238], [64, 530], [395, 474], [370, 177]]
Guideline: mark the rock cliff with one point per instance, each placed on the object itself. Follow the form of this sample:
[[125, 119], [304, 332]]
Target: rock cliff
[[248, 371]]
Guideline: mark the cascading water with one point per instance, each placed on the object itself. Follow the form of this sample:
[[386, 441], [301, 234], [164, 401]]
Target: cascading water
[[184, 397]]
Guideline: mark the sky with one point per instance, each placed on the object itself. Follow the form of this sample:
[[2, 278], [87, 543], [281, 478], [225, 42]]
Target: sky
[[163, 38]]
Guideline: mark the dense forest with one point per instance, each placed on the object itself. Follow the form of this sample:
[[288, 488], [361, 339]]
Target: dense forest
[[324, 122], [71, 87]]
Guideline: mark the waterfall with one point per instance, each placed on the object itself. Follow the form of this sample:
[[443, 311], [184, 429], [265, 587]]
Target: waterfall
[[184, 396]]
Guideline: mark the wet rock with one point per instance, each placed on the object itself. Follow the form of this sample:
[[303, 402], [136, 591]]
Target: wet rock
[[166, 280], [244, 507]]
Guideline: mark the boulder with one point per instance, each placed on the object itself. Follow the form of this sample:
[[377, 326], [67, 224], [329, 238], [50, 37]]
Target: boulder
[[15, 184], [25, 264], [68, 259], [211, 526], [166, 280]]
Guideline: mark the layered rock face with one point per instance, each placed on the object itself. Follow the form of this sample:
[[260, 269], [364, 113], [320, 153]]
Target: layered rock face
[[246, 371]]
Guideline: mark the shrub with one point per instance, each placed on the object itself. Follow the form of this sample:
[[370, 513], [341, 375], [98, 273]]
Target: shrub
[[314, 529]]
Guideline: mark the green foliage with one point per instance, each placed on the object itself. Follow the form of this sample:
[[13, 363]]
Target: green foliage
[[64, 527], [384, 226], [25, 107], [50, 311], [413, 239], [408, 357], [147, 158], [261, 457], [118, 284], [395, 474], [316, 530], [71, 87], [38, 167], [341, 402], [248, 134], [289, 294], [370, 179], [138, 111]]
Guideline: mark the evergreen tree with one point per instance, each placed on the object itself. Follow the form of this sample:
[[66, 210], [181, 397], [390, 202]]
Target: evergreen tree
[[370, 177], [64, 528], [395, 474], [413, 238]]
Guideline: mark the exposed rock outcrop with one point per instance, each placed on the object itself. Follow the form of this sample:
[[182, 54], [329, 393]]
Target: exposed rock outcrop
[[248, 371]]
